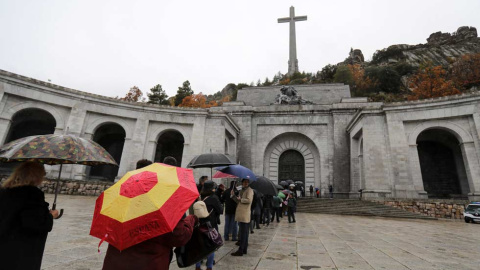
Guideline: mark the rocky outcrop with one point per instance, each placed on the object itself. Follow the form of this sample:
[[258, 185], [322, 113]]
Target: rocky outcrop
[[440, 49]]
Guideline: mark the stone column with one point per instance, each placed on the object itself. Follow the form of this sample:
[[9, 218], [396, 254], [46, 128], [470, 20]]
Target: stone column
[[472, 169], [139, 138], [4, 122], [416, 172]]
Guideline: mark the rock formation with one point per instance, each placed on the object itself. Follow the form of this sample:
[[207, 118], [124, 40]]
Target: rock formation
[[440, 49]]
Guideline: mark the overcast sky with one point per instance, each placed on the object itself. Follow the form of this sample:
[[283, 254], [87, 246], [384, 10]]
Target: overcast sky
[[106, 47]]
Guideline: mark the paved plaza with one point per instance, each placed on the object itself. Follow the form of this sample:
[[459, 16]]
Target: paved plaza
[[316, 241]]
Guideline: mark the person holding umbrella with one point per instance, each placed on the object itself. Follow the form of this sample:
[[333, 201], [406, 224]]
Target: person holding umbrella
[[154, 253], [242, 215], [25, 218]]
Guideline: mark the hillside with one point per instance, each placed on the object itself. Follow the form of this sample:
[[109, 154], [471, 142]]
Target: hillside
[[450, 60]]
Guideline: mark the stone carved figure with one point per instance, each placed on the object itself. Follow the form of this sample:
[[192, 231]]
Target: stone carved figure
[[289, 96]]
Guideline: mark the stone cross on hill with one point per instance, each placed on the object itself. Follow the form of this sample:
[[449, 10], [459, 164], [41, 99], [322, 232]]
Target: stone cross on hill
[[292, 62]]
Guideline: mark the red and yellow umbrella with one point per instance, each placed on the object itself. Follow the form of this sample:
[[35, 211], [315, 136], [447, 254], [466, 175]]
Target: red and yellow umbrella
[[143, 204]]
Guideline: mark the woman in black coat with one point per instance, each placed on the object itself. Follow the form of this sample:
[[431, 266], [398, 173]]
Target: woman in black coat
[[24, 218]]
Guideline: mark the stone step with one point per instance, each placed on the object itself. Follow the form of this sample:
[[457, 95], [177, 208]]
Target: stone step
[[354, 207]]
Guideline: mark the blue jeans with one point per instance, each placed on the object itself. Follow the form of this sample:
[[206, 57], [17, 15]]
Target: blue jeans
[[209, 261], [230, 227]]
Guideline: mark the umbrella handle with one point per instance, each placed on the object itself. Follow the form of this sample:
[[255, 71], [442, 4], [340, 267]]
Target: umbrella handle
[[61, 210]]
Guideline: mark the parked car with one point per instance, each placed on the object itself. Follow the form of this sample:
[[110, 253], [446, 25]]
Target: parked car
[[472, 212]]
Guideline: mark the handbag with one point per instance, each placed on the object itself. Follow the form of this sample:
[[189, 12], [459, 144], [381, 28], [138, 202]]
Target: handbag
[[205, 240]]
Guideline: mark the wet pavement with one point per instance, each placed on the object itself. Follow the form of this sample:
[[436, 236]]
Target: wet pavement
[[315, 241]]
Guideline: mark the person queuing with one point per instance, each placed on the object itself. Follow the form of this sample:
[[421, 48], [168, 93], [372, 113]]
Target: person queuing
[[267, 209], [24, 218], [231, 226], [291, 204], [311, 190], [276, 208], [155, 253], [201, 181], [215, 208], [257, 206], [242, 215]]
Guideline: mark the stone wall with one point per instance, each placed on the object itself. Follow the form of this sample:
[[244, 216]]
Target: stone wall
[[72, 187], [449, 209]]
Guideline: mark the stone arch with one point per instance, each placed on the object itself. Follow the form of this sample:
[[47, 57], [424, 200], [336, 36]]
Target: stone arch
[[300, 143], [442, 164], [59, 119], [170, 142], [462, 135], [99, 122], [111, 136], [155, 135]]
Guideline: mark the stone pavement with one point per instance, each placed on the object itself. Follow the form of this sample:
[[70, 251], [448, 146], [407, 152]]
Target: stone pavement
[[316, 241]]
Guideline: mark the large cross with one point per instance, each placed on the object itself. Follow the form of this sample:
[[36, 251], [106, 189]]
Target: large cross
[[292, 62]]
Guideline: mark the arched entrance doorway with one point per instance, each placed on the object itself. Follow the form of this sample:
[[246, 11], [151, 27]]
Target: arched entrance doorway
[[441, 163], [291, 166], [112, 138], [170, 143], [28, 122]]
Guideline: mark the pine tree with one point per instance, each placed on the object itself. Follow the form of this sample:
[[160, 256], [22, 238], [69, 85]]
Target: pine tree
[[184, 91], [158, 96]]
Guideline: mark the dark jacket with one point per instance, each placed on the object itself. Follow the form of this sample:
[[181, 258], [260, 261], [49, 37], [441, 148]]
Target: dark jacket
[[214, 207], [267, 202], [230, 204], [276, 201], [24, 224], [153, 254]]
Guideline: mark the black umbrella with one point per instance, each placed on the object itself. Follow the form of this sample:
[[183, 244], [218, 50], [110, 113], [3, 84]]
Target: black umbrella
[[299, 183], [265, 186], [210, 160], [289, 182], [279, 187], [283, 183]]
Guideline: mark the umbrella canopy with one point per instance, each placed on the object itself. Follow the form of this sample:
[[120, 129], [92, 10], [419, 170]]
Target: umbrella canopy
[[264, 186], [56, 149], [299, 183], [223, 175], [239, 171], [286, 191], [279, 187], [289, 182], [210, 160], [281, 195], [143, 204]]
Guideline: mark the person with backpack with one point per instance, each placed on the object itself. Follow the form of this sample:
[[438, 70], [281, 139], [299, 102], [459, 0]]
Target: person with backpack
[[215, 208], [257, 206]]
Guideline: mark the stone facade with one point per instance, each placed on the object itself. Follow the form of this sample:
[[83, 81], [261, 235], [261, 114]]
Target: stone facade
[[346, 142]]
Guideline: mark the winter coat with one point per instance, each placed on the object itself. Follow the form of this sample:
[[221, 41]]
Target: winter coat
[[214, 207], [153, 254], [267, 202], [292, 202], [257, 209], [230, 204], [242, 213], [276, 201], [24, 224]]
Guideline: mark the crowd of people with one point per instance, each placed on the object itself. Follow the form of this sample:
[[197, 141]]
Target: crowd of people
[[26, 220]]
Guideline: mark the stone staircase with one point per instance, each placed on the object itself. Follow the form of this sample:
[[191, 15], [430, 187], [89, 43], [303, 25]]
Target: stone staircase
[[354, 207]]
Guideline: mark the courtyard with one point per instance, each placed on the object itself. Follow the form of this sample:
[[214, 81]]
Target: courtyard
[[316, 241]]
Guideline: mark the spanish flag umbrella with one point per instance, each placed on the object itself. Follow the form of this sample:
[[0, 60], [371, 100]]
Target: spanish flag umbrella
[[143, 204]]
